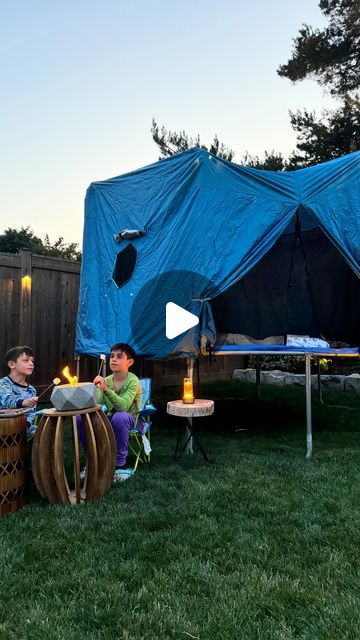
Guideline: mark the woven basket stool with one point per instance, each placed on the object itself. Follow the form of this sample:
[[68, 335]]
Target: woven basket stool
[[12, 461]]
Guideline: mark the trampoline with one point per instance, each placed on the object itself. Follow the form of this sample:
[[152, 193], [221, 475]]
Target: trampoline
[[306, 353]]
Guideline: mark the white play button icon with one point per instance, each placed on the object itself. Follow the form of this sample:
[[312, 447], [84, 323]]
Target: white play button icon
[[178, 320]]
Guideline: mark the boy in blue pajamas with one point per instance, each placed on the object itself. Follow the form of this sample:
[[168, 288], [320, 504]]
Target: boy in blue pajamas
[[15, 392]]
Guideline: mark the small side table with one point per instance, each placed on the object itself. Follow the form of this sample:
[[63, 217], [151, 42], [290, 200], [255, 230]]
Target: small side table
[[197, 409], [48, 456]]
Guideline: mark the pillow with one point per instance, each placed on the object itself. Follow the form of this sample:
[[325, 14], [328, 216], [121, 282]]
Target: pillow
[[241, 338], [306, 341]]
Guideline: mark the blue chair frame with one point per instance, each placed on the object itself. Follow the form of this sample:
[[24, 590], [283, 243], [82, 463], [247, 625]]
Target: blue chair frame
[[136, 443]]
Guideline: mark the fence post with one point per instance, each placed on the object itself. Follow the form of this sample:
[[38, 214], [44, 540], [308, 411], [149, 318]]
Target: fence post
[[25, 329]]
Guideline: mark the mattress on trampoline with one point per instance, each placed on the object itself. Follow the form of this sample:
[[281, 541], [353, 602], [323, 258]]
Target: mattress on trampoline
[[284, 349], [239, 342]]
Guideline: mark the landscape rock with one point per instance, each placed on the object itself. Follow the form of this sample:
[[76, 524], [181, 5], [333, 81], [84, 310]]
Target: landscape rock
[[295, 379], [332, 382], [352, 383], [283, 378], [246, 375], [273, 377]]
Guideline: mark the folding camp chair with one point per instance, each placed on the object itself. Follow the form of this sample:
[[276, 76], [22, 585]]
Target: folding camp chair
[[139, 442], [139, 439]]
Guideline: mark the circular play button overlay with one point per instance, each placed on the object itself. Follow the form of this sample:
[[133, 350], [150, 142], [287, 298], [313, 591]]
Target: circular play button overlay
[[170, 312], [178, 320]]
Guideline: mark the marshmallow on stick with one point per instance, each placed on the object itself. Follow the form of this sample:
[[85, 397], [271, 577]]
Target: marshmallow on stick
[[102, 357], [55, 382]]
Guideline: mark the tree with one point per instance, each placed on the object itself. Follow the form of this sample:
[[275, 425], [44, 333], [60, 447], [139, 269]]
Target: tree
[[331, 56], [12, 240], [60, 248], [335, 134], [272, 161], [170, 143]]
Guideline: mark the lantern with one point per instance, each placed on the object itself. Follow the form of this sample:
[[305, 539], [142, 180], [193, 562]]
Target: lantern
[[188, 396]]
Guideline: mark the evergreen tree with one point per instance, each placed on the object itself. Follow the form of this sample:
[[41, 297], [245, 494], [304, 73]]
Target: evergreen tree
[[330, 55], [170, 143], [272, 161], [334, 134]]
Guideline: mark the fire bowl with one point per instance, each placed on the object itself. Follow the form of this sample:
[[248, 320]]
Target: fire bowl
[[66, 397]]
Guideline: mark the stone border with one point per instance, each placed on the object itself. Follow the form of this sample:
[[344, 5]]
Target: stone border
[[349, 383]]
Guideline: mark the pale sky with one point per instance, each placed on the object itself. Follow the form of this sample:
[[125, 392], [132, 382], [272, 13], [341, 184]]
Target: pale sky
[[82, 79]]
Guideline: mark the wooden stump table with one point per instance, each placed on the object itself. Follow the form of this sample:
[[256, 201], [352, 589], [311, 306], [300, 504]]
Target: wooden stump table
[[197, 409], [48, 456]]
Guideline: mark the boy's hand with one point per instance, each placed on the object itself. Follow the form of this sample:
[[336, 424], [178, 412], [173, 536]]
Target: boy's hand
[[100, 382], [30, 402]]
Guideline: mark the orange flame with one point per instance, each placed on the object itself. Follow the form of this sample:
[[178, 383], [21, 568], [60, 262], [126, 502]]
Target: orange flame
[[68, 376]]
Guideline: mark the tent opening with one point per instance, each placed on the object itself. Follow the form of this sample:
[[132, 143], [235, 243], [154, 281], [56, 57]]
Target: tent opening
[[302, 286]]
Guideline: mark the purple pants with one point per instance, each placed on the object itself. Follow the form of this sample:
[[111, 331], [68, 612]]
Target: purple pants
[[121, 423]]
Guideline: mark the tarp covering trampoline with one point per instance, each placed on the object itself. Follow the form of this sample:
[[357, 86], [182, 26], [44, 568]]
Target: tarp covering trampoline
[[249, 251]]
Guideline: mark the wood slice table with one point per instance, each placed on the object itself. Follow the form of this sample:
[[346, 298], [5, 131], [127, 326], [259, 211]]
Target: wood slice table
[[48, 456], [197, 409]]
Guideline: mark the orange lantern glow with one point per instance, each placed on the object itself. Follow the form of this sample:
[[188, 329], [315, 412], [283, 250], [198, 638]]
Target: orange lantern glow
[[188, 397]]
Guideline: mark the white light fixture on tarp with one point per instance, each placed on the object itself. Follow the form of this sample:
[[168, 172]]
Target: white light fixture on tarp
[[129, 234]]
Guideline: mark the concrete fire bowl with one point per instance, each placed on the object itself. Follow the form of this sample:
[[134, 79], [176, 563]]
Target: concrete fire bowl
[[66, 397]]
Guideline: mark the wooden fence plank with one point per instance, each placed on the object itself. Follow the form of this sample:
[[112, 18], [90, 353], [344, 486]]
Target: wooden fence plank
[[43, 317], [10, 260], [25, 329], [56, 264], [9, 312]]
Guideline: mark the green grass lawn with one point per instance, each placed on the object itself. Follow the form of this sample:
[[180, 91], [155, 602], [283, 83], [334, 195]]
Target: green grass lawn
[[258, 544]]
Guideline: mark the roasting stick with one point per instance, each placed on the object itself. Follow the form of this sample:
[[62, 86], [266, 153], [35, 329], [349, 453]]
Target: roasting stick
[[55, 382]]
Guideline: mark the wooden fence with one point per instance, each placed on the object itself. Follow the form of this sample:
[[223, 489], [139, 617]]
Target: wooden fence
[[38, 307]]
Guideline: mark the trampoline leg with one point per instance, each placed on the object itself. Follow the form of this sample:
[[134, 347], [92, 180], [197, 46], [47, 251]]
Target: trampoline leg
[[308, 406], [258, 374], [190, 367], [319, 380]]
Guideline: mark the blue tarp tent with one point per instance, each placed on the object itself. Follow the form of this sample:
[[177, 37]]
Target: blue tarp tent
[[249, 251]]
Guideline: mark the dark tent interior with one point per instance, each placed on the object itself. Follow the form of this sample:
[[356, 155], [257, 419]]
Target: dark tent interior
[[302, 286]]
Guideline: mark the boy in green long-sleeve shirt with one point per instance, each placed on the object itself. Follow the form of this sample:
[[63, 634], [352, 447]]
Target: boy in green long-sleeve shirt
[[126, 397], [121, 392]]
